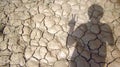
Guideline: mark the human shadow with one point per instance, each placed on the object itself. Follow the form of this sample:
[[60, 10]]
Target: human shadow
[[90, 40]]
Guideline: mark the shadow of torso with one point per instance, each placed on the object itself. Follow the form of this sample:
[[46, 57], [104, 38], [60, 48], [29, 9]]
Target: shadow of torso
[[91, 41]]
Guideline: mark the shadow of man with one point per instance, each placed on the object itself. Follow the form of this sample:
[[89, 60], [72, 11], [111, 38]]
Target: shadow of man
[[91, 40]]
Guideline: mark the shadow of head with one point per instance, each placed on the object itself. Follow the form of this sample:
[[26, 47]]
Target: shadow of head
[[95, 12]]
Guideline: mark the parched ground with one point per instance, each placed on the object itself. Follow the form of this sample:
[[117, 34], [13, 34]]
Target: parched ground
[[59, 33]]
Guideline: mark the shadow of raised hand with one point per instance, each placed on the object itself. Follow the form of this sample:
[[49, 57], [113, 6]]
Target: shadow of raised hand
[[72, 23]]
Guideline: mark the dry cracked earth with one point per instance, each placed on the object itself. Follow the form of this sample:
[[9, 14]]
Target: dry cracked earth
[[59, 33]]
